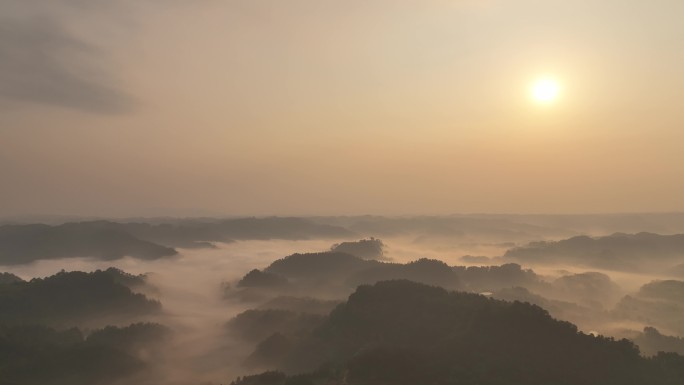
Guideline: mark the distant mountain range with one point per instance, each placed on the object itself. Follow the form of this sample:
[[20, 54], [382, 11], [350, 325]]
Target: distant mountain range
[[622, 252], [111, 240]]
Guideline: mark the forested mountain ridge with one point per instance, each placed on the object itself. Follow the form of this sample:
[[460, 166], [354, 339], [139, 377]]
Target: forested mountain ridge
[[108, 240], [69, 298], [619, 251], [403, 332], [26, 243], [35, 354]]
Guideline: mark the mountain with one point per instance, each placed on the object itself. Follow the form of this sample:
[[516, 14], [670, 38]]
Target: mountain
[[622, 252], [491, 278], [26, 243], [257, 324], [428, 271], [318, 267], [658, 303], [463, 227], [590, 289], [33, 354], [588, 318], [651, 341], [365, 248], [402, 332], [9, 278], [112, 240], [301, 304], [333, 275], [202, 233], [69, 298]]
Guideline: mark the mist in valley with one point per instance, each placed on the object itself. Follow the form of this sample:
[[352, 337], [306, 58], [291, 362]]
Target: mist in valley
[[240, 308], [341, 192]]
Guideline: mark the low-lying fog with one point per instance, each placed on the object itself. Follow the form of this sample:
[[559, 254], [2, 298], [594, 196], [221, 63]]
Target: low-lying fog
[[191, 287]]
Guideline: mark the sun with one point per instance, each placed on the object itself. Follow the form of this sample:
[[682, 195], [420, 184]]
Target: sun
[[545, 90]]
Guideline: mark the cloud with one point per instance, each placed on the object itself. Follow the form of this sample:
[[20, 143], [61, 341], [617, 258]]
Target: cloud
[[43, 62]]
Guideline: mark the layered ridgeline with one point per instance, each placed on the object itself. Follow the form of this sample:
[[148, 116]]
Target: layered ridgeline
[[37, 354], [641, 252], [590, 300], [651, 341], [402, 332], [151, 240], [372, 248], [508, 228], [659, 304], [336, 274], [75, 298], [333, 275], [110, 240], [101, 240], [52, 330]]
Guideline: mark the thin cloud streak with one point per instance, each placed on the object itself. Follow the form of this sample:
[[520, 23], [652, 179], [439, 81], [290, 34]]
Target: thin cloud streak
[[42, 62]]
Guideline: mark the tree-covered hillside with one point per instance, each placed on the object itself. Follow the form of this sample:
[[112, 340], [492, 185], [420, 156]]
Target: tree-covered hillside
[[69, 298], [402, 332]]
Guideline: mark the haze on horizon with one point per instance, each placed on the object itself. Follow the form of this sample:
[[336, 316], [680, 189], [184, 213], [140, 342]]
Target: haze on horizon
[[127, 108]]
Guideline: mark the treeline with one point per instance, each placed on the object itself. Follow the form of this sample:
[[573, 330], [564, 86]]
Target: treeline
[[68, 298], [403, 332], [47, 335], [37, 354], [112, 240]]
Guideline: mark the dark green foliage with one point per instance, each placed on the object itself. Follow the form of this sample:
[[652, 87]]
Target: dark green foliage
[[326, 273], [322, 376], [257, 278], [491, 278], [666, 369], [401, 332], [266, 378], [366, 248], [521, 294], [6, 278], [271, 351], [126, 279], [385, 365], [319, 267], [31, 354], [71, 297], [255, 325], [428, 271], [301, 304], [132, 338], [325, 270]]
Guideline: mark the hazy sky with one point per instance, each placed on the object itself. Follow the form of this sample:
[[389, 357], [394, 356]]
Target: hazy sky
[[200, 107]]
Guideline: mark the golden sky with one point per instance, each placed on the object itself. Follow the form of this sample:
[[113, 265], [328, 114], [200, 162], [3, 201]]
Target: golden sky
[[256, 107]]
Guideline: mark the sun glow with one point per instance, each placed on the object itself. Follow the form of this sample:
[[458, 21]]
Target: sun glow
[[545, 90]]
